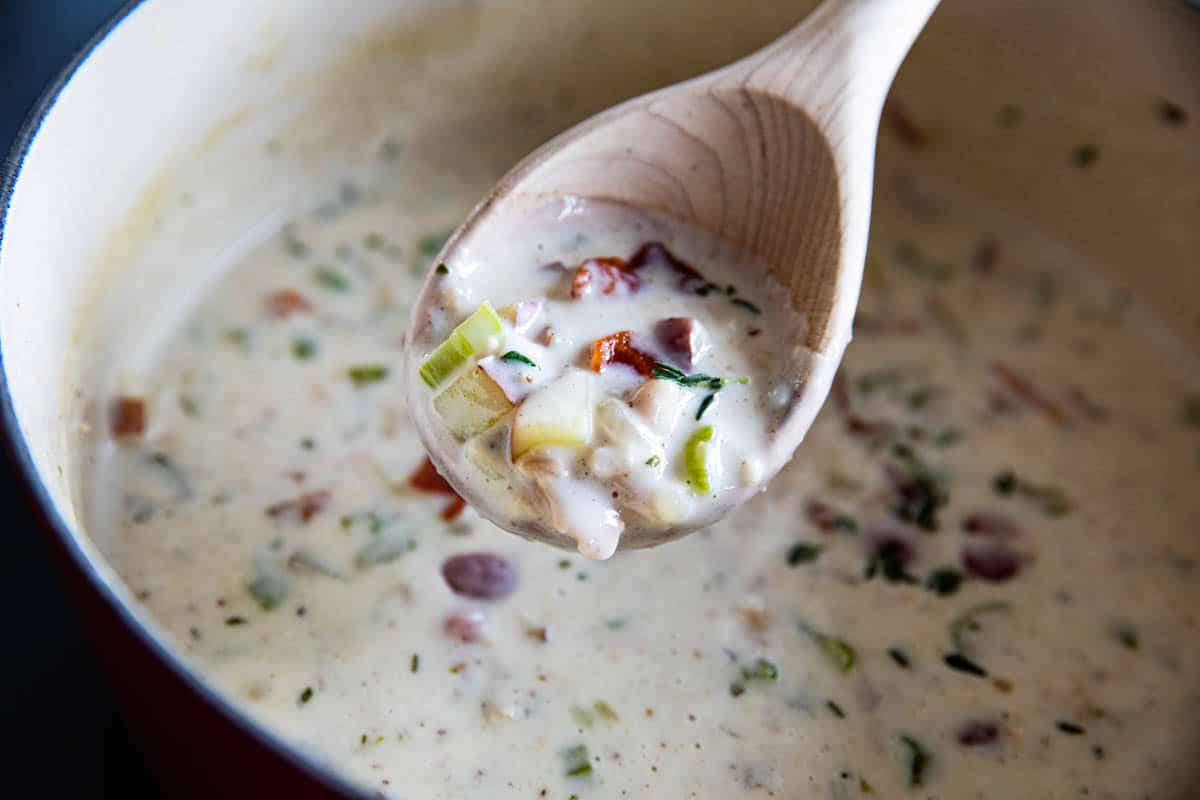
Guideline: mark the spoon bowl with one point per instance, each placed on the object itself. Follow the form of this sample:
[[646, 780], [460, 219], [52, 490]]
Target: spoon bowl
[[772, 155]]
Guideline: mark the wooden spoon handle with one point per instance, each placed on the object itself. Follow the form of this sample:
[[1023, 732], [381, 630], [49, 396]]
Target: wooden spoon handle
[[839, 62]]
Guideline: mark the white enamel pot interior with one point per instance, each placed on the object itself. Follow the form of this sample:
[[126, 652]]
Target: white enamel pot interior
[[186, 129]]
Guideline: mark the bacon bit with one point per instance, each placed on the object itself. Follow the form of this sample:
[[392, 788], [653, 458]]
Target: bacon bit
[[426, 478], [821, 515], [975, 734], [1086, 406], [128, 416], [617, 348], [652, 253], [990, 525], [306, 506], [1024, 389], [610, 275], [285, 302], [546, 337], [683, 338], [464, 627], [901, 124]]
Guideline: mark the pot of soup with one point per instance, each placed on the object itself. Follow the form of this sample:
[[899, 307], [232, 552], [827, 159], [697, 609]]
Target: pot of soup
[[979, 576]]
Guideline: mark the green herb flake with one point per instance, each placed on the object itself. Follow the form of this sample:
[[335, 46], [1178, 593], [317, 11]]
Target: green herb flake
[[1070, 728], [762, 669], [442, 269], [414, 664], [668, 372], [835, 709], [577, 763], [308, 443], [838, 652], [367, 374], [968, 622], [1084, 155], [899, 657], [520, 358], [958, 661], [803, 553], [431, 244], [888, 561], [1005, 483], [653, 461], [741, 302], [1126, 635], [918, 760], [306, 695], [605, 711], [704, 404], [235, 621], [737, 689], [946, 438], [329, 278], [944, 581], [303, 348], [238, 337], [616, 624]]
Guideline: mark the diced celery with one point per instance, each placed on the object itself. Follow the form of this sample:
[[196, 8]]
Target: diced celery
[[466, 340], [695, 459]]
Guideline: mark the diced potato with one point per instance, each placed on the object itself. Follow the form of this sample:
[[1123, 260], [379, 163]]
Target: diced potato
[[558, 415], [472, 404], [659, 403]]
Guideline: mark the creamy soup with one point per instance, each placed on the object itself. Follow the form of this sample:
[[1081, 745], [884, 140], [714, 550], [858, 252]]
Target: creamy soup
[[624, 386], [978, 578]]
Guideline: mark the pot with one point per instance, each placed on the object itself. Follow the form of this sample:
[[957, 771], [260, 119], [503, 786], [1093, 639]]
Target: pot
[[181, 127]]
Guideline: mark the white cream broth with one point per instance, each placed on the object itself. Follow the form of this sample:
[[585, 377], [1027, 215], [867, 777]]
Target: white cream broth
[[977, 579], [635, 373]]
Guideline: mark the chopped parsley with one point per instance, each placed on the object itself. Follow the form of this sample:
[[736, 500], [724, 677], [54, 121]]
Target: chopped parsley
[[762, 669], [918, 760], [1127, 635], [442, 269], [835, 708], [838, 652], [329, 278], [414, 664], [1069, 728], [888, 561], [304, 348], [605, 710], [968, 622], [944, 581], [366, 374], [653, 461], [803, 553], [746, 304], [1050, 499], [704, 404], [306, 695], [900, 657], [576, 761], [520, 358], [963, 664]]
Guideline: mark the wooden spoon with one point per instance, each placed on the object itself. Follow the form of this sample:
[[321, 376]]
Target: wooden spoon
[[773, 154]]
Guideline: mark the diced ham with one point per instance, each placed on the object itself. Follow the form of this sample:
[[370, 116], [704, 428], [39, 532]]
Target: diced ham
[[426, 478], [128, 416], [656, 253], [608, 276], [284, 303], [684, 340], [304, 507]]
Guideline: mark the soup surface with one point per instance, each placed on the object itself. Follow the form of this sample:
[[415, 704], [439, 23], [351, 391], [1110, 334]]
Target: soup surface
[[977, 579]]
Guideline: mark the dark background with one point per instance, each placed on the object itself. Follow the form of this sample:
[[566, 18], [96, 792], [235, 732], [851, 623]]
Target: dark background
[[60, 735]]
